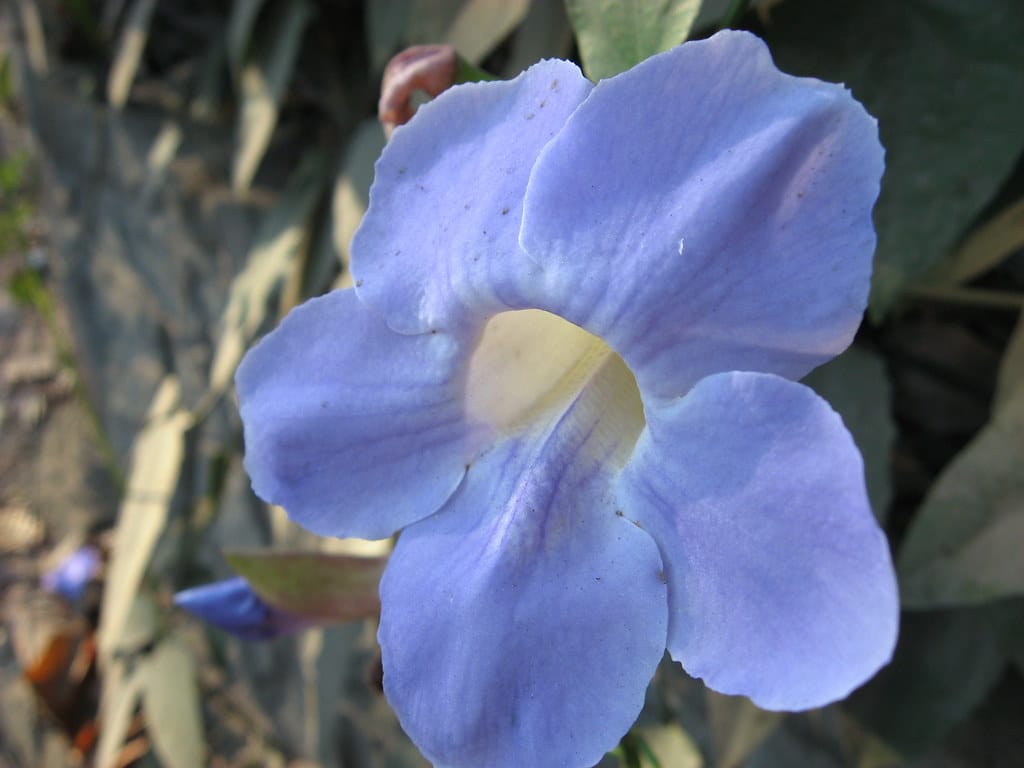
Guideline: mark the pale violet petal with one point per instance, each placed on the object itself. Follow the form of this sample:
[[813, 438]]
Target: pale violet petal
[[354, 429], [440, 237], [521, 625], [781, 586], [704, 212]]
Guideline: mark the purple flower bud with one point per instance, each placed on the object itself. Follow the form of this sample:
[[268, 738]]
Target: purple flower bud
[[233, 606]]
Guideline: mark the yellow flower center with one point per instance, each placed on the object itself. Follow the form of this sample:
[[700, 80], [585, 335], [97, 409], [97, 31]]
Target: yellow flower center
[[531, 368]]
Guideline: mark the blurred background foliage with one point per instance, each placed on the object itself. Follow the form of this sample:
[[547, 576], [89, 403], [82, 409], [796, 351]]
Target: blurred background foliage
[[175, 175]]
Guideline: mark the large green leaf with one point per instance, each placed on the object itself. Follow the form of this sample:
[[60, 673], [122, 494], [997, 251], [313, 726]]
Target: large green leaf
[[667, 746], [314, 584], [966, 541], [986, 248], [155, 467], [170, 701], [544, 34], [946, 81], [352, 189], [614, 35], [385, 22], [964, 544], [121, 693], [945, 664], [473, 27], [241, 25], [263, 79], [856, 385], [129, 52], [280, 241], [482, 24], [738, 727], [1011, 369]]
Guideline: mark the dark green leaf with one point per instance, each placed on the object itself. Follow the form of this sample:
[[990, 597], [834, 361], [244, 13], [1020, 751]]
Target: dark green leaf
[[352, 188], [544, 34], [856, 385], [263, 80], [385, 29], [241, 24], [946, 81], [1011, 369], [965, 543], [482, 24], [986, 248], [157, 457], [945, 664], [738, 727], [170, 701], [129, 52], [614, 35], [280, 240]]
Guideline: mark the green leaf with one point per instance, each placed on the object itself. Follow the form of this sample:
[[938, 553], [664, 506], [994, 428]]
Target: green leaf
[[667, 746], [123, 680], [7, 90], [241, 24], [965, 544], [155, 466], [1013, 638], [952, 130], [352, 188], [121, 693], [170, 702], [385, 23], [482, 24], [614, 35], [545, 34], [856, 385], [32, 33], [263, 81], [945, 664], [314, 584], [738, 727], [279, 242], [986, 248], [1011, 369], [129, 52], [427, 21]]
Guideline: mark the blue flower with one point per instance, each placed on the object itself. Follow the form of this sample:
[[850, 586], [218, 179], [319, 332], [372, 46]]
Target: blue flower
[[232, 605], [72, 575], [567, 373]]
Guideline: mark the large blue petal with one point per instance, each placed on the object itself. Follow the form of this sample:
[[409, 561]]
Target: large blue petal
[[781, 587], [354, 429], [522, 624], [439, 241], [704, 212]]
